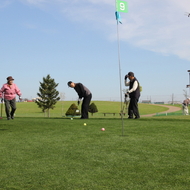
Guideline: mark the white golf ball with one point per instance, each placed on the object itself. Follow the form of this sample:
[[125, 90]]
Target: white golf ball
[[71, 118], [84, 123]]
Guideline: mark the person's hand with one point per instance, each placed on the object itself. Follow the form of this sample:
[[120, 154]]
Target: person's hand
[[126, 76], [20, 98], [78, 101]]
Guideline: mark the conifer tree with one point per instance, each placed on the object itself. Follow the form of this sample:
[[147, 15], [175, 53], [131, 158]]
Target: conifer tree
[[73, 111], [92, 108], [48, 95]]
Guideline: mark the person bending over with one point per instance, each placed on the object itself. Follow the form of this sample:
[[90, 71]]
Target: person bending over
[[83, 92]]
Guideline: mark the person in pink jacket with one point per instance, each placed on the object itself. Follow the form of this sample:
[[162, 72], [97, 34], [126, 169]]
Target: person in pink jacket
[[8, 94]]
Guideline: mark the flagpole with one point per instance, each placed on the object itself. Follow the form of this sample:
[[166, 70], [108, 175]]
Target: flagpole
[[121, 6], [119, 62]]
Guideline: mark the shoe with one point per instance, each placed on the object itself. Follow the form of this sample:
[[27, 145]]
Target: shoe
[[8, 118], [12, 117], [137, 117], [130, 117]]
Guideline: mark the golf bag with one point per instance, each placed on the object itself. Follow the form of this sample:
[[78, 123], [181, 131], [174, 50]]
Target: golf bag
[[185, 109], [126, 103]]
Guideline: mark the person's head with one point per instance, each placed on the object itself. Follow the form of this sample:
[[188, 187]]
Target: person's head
[[71, 84], [10, 80], [131, 75]]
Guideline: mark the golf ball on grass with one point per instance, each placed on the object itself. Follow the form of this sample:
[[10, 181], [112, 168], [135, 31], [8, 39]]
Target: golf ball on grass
[[71, 118], [102, 129], [84, 124]]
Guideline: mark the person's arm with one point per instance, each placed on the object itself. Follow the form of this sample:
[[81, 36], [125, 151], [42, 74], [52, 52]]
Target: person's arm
[[81, 90], [127, 83], [1, 91], [17, 90], [135, 85]]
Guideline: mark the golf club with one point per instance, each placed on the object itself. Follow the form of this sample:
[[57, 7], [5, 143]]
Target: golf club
[[78, 110], [1, 110]]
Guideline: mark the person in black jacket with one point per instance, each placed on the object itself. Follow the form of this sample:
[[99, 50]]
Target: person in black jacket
[[134, 94], [84, 93]]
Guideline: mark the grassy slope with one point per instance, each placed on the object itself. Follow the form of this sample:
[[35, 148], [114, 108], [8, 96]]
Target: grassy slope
[[30, 109], [57, 153]]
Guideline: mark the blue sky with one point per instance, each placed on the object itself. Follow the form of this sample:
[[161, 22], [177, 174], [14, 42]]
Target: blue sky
[[77, 40]]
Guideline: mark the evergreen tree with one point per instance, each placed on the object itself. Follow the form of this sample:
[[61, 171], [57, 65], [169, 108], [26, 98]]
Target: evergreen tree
[[92, 108], [73, 110], [48, 95]]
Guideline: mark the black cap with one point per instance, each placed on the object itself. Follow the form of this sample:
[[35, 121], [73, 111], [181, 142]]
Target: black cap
[[69, 83], [130, 74]]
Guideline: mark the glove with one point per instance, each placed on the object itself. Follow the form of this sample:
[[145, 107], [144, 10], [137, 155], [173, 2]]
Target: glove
[[20, 98], [126, 76], [2, 99], [79, 101]]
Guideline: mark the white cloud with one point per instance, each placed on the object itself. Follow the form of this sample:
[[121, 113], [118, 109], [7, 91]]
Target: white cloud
[[158, 26]]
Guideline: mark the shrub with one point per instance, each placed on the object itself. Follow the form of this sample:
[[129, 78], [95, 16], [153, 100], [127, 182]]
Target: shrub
[[73, 110]]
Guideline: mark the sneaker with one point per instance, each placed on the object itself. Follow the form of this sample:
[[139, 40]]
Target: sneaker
[[12, 117], [8, 118]]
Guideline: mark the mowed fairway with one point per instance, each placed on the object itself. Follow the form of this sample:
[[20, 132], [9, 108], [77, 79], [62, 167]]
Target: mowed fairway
[[59, 153], [30, 109]]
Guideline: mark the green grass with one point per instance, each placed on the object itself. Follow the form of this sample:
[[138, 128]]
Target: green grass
[[30, 109], [59, 153]]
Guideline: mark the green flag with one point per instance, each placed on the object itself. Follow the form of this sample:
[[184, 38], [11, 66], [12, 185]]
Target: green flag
[[121, 6]]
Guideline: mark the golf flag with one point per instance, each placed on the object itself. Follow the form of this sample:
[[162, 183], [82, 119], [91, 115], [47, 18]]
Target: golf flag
[[121, 6], [118, 17]]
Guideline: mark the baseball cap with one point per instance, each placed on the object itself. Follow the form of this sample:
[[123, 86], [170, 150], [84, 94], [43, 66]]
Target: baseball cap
[[130, 74]]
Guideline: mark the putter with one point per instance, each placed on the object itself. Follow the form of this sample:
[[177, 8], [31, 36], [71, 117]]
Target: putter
[[78, 110], [1, 110]]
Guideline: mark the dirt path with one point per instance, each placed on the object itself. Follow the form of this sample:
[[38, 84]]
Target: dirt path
[[170, 109]]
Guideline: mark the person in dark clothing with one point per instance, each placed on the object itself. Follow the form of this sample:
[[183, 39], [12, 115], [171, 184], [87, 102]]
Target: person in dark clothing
[[134, 94], [84, 93]]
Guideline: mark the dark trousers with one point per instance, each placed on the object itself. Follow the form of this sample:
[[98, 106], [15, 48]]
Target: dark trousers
[[8, 104], [133, 108], [85, 106]]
